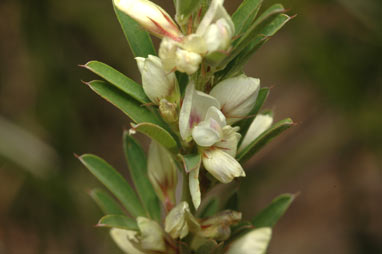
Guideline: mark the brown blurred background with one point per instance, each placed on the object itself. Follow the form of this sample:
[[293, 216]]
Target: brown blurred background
[[324, 68]]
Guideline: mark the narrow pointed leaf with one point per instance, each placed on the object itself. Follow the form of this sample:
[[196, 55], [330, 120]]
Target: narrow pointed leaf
[[261, 98], [137, 162], [139, 40], [245, 15], [118, 79], [158, 134], [118, 221], [263, 139], [115, 182], [271, 214], [137, 112], [265, 26], [106, 202]]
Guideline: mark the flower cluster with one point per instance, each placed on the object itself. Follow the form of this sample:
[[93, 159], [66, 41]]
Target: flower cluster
[[206, 125]]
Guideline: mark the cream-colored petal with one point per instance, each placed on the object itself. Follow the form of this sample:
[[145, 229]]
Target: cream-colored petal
[[215, 12], [152, 235], [187, 61], [124, 238], [218, 36], [237, 96], [157, 83], [214, 113], [194, 109], [222, 165], [260, 124], [167, 52], [229, 141], [207, 133], [254, 242]]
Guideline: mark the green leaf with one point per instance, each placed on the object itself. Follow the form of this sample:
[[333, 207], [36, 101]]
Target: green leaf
[[158, 134], [115, 182], [265, 26], [139, 40], [118, 79], [137, 162], [124, 102], [184, 8], [190, 161], [210, 209], [263, 139], [245, 14], [182, 81], [118, 221], [271, 214], [106, 202], [245, 123]]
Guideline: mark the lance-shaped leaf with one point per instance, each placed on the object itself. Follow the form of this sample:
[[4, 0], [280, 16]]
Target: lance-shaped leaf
[[263, 139], [245, 15], [115, 182], [272, 213], [184, 8], [158, 134], [106, 202], [118, 79], [137, 162], [124, 102], [245, 123], [138, 39], [118, 221], [264, 26]]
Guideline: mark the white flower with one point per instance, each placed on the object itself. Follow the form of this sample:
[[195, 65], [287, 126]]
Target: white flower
[[157, 83], [254, 242], [237, 96], [201, 120], [162, 173], [179, 222], [260, 124], [151, 236], [216, 27], [126, 240], [151, 16], [194, 109]]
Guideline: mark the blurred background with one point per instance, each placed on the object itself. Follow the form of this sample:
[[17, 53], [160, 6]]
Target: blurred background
[[325, 71]]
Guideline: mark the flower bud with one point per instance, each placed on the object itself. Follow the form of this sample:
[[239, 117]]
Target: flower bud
[[162, 173], [218, 226], [180, 221], [150, 16], [168, 111], [254, 242], [237, 96], [157, 83], [187, 61], [260, 124], [126, 240], [152, 235], [216, 27]]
